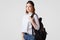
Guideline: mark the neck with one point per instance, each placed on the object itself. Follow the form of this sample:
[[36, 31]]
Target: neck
[[30, 12]]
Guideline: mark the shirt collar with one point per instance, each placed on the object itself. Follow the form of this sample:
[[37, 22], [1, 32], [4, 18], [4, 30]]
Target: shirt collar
[[30, 13]]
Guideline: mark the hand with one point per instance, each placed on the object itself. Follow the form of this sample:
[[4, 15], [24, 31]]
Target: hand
[[22, 38], [31, 19]]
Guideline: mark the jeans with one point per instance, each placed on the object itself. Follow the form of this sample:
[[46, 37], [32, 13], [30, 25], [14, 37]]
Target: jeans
[[28, 37]]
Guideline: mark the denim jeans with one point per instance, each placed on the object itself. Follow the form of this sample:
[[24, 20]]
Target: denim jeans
[[29, 37]]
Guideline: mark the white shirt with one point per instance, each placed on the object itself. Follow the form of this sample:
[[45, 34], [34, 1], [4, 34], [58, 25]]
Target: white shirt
[[26, 24]]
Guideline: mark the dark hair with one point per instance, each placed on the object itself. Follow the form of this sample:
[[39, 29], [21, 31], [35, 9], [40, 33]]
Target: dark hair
[[32, 3]]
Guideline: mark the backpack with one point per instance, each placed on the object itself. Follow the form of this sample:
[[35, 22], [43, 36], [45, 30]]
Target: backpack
[[41, 33]]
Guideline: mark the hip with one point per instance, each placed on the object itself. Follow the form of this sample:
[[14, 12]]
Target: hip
[[28, 36]]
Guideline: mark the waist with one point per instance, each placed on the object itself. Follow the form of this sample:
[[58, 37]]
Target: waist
[[27, 33]]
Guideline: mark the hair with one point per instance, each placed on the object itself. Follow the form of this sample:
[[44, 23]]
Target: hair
[[32, 3]]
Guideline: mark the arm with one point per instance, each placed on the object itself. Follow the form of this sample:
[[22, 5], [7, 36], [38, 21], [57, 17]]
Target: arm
[[22, 36], [24, 26], [35, 22], [22, 30]]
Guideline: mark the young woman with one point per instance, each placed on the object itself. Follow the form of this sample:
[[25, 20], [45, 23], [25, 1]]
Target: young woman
[[28, 22]]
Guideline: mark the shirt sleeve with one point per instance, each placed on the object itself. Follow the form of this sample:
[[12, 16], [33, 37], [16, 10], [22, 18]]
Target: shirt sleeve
[[37, 22], [24, 24]]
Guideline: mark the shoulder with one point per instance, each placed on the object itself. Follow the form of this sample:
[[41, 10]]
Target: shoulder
[[24, 17], [35, 15]]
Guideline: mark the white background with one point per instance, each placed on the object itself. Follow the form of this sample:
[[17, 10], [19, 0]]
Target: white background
[[12, 11]]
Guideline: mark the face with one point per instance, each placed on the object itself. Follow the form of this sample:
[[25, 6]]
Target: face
[[29, 7]]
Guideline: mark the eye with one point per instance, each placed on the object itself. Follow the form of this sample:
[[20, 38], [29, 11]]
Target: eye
[[30, 6]]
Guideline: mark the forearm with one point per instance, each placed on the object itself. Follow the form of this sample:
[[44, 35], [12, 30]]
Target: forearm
[[22, 36], [34, 24]]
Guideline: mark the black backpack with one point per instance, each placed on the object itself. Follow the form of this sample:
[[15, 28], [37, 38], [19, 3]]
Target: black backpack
[[41, 33]]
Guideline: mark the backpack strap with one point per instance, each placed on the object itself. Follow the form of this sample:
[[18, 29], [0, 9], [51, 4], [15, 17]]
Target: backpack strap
[[33, 29], [32, 15]]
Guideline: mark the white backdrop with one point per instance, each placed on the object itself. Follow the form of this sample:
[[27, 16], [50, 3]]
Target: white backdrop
[[12, 11]]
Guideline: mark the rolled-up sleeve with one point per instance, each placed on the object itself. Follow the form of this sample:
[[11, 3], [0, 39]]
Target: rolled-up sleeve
[[24, 24], [37, 22]]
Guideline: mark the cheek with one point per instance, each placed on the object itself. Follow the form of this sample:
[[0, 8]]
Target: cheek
[[30, 8], [27, 9]]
